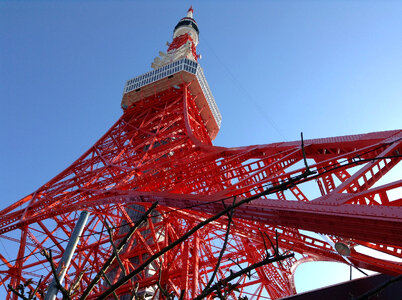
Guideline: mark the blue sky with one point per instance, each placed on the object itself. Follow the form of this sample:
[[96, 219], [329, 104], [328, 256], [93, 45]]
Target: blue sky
[[275, 68]]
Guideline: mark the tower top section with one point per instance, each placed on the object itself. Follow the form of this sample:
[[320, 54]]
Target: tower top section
[[187, 25], [185, 41], [179, 65]]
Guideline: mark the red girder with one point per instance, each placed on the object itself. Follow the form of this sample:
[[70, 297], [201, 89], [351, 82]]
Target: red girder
[[159, 150]]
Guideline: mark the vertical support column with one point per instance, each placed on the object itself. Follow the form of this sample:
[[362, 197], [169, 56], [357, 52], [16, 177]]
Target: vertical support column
[[186, 116], [186, 268], [67, 255], [196, 260], [15, 281]]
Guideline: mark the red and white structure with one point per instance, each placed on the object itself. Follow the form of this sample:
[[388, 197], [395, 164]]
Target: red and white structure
[[161, 149]]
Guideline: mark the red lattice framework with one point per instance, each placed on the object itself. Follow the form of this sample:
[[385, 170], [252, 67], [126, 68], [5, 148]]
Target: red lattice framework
[[159, 150], [180, 41]]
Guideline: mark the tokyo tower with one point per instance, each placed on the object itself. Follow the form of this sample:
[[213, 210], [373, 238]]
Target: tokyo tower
[[160, 152]]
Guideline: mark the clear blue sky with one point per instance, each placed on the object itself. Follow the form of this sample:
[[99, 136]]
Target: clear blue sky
[[275, 68]]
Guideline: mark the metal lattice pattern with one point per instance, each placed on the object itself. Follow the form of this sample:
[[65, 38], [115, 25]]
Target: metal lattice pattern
[[159, 150]]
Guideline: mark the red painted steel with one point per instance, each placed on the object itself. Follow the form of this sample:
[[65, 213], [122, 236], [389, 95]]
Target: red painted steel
[[180, 41], [160, 150]]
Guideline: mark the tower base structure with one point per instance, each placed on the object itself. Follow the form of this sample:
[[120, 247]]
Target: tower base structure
[[158, 151]]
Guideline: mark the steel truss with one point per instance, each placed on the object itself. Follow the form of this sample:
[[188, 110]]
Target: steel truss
[[159, 150]]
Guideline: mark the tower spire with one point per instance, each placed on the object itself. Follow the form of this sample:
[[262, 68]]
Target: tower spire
[[190, 12], [184, 43]]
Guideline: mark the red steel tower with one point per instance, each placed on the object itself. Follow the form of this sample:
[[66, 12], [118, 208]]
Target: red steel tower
[[161, 149]]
